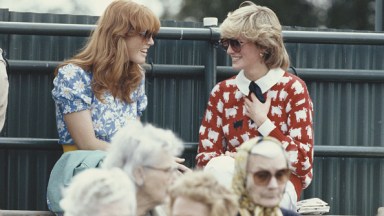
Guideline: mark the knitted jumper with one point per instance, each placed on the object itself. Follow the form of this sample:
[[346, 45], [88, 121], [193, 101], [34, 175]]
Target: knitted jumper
[[225, 125]]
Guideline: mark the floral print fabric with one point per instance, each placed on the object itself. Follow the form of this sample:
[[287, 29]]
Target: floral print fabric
[[72, 92]]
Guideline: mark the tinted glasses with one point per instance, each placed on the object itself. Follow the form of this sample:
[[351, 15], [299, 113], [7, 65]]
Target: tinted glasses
[[165, 170], [147, 35], [263, 177], [235, 44]]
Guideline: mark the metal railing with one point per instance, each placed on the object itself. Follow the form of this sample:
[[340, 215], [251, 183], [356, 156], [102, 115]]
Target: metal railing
[[180, 33], [320, 150]]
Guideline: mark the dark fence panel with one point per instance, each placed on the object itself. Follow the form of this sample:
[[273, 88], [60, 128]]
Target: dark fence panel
[[344, 72]]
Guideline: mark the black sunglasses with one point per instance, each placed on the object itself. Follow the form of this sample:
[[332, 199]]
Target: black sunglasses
[[147, 35], [235, 44]]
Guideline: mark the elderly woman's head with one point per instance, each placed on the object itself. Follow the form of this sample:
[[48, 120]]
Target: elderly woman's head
[[199, 193], [147, 155], [97, 192], [261, 174]]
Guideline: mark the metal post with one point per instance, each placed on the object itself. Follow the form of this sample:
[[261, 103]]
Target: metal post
[[379, 15], [211, 58]]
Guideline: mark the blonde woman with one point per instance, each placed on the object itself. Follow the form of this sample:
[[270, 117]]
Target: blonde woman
[[263, 99]]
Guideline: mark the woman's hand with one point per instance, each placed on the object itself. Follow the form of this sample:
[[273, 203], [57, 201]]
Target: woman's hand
[[181, 167], [256, 110]]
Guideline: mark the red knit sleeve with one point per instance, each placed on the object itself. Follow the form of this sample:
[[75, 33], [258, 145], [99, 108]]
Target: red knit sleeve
[[298, 140], [211, 135]]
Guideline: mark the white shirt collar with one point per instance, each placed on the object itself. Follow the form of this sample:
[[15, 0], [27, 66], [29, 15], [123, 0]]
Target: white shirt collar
[[266, 82]]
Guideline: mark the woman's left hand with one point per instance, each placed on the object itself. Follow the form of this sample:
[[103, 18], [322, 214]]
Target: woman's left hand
[[256, 110]]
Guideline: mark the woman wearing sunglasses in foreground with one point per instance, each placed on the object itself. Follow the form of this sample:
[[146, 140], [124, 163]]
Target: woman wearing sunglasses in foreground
[[261, 174], [263, 99], [102, 87]]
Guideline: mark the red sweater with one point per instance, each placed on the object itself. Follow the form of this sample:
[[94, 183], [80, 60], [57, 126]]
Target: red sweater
[[225, 125]]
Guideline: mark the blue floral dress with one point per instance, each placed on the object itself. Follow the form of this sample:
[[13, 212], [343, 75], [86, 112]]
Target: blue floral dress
[[72, 92]]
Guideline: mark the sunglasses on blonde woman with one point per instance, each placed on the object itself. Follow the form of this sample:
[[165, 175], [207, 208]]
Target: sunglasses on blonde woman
[[263, 177], [235, 44]]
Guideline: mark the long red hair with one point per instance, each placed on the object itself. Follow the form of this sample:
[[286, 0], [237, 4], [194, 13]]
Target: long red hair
[[106, 56]]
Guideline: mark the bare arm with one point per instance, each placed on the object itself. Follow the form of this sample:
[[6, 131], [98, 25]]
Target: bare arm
[[80, 127]]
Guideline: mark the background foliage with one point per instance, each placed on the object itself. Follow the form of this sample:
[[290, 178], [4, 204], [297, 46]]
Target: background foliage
[[334, 14]]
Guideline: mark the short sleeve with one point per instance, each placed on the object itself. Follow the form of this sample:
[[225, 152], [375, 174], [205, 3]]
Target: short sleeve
[[72, 89], [142, 100]]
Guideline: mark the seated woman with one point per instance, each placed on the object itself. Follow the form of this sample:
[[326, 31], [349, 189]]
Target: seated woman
[[199, 194], [261, 176], [97, 192], [146, 154], [102, 87]]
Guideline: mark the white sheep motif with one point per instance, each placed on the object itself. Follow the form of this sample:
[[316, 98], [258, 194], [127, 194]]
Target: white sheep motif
[[295, 133], [226, 96], [301, 115], [220, 106], [231, 112], [202, 130], [284, 80], [208, 116], [213, 135], [226, 129], [215, 89], [299, 89], [283, 94], [238, 95], [234, 142], [276, 110], [272, 94], [206, 143], [219, 121], [309, 131], [283, 127]]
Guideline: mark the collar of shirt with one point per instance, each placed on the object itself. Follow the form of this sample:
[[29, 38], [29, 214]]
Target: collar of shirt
[[266, 82]]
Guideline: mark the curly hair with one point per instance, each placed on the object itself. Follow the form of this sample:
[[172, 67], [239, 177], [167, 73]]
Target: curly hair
[[105, 53], [203, 187]]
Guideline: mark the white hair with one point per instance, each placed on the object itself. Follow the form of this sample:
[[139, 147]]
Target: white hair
[[223, 168], [98, 192], [140, 145]]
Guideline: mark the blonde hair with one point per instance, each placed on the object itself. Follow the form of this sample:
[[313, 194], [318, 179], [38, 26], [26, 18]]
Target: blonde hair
[[261, 26], [203, 187], [106, 56]]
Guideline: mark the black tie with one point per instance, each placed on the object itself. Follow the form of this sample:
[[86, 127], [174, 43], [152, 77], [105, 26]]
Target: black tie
[[253, 87]]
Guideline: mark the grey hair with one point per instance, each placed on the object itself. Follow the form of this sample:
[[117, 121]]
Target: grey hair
[[97, 192], [140, 145], [260, 25]]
